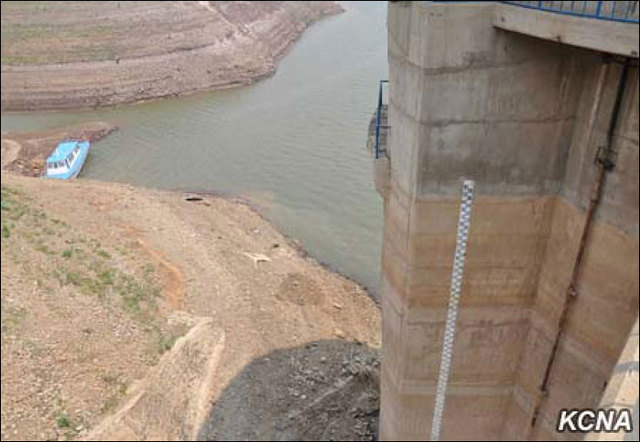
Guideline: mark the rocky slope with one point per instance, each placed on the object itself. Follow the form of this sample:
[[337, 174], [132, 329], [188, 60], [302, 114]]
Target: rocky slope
[[64, 55]]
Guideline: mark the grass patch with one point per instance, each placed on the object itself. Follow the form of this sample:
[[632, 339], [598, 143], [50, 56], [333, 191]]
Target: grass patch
[[135, 293], [110, 404], [107, 277], [12, 210], [92, 272], [59, 223], [6, 190], [6, 229], [62, 420], [166, 341], [75, 279]]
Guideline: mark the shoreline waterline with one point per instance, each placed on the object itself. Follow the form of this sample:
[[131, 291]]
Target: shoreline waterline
[[293, 144]]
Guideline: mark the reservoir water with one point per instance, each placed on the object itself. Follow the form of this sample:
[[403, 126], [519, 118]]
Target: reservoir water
[[293, 144]]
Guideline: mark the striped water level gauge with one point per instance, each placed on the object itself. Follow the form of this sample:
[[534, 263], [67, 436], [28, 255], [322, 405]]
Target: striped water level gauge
[[464, 221]]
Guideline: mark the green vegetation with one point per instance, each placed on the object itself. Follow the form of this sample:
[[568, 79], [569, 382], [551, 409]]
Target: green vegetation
[[63, 272], [93, 273], [12, 211], [59, 222], [166, 340], [62, 420], [107, 277]]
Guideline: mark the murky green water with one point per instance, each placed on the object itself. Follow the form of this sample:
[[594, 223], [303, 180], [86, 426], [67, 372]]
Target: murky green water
[[293, 144]]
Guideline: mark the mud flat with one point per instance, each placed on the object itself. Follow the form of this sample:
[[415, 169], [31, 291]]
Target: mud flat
[[72, 55]]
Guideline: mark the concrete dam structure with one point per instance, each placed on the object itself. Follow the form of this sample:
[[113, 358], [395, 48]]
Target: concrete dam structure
[[540, 108]]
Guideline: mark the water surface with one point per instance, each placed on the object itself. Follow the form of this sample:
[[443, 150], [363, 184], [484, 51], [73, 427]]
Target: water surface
[[293, 144]]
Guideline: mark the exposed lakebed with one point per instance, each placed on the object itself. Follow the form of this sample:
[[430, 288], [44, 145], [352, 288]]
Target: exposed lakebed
[[293, 144]]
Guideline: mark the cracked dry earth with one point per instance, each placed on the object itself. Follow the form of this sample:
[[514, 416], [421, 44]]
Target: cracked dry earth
[[94, 276]]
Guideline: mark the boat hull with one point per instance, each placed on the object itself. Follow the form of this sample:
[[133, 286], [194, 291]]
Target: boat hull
[[77, 164]]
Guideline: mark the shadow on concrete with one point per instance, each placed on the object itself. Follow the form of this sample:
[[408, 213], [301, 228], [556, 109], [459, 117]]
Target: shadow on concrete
[[325, 390]]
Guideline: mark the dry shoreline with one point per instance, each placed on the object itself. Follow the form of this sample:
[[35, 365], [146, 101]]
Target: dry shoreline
[[25, 153], [249, 300], [117, 298], [212, 46]]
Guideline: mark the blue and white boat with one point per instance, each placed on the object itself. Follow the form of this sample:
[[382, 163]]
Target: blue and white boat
[[67, 159]]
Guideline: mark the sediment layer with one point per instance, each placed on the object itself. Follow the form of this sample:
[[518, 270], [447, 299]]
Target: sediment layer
[[68, 55]]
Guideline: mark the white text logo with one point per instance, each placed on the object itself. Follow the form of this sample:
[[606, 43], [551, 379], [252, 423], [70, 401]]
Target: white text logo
[[598, 421]]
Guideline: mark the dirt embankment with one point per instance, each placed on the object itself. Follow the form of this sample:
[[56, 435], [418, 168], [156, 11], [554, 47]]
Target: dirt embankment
[[82, 318], [25, 153], [99, 280], [69, 55]]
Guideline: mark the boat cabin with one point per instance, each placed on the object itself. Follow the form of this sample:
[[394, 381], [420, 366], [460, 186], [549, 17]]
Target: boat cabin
[[67, 159]]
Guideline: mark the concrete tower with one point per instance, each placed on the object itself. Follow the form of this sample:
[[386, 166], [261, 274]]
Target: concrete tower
[[535, 106]]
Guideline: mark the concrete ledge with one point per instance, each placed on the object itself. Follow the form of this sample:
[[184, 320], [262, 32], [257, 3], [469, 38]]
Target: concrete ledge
[[601, 35]]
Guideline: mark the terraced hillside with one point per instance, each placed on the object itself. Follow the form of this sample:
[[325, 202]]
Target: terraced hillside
[[60, 55]]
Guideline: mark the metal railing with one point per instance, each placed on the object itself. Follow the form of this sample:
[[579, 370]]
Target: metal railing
[[621, 11], [379, 118]]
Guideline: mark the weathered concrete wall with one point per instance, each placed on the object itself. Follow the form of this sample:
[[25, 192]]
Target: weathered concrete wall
[[620, 199], [458, 80], [467, 100], [607, 303]]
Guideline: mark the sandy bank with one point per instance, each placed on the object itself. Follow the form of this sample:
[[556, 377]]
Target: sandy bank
[[70, 55]]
